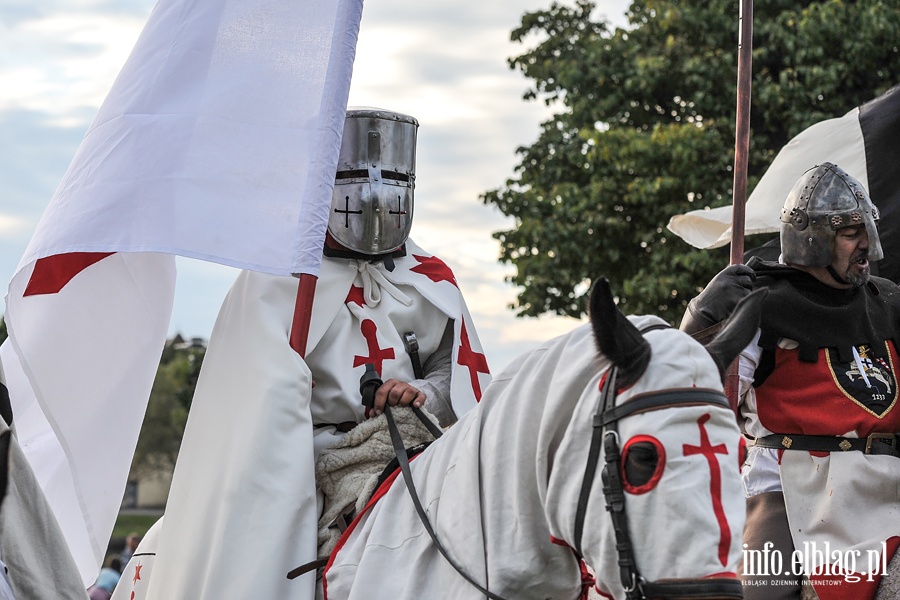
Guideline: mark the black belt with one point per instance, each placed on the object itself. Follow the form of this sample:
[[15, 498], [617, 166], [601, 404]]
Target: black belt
[[876, 443]]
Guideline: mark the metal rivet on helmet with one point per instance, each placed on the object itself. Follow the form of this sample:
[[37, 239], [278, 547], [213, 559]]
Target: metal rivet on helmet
[[797, 217]]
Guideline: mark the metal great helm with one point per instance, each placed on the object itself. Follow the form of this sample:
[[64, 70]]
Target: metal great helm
[[823, 200], [372, 203]]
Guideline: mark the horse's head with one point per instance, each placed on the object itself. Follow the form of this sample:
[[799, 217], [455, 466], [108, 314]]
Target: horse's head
[[671, 457]]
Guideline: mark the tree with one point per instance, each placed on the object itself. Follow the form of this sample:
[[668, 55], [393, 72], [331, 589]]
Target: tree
[[646, 131], [167, 408]]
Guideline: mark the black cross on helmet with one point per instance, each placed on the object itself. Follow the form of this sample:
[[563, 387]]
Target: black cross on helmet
[[372, 203]]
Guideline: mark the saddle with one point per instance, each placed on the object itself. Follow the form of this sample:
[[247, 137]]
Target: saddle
[[349, 471]]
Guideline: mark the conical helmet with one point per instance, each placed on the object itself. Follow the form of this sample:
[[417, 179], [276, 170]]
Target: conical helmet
[[823, 200]]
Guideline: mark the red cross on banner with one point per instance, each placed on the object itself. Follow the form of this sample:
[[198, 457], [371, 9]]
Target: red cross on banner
[[377, 355], [474, 361], [355, 295], [715, 484], [434, 269]]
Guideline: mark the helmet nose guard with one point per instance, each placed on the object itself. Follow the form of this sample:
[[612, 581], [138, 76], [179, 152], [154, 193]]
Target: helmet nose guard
[[825, 199], [372, 202]]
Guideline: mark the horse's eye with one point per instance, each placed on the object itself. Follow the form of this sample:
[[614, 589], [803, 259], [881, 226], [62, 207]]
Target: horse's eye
[[643, 461]]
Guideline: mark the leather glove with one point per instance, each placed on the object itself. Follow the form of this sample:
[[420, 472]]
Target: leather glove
[[718, 299]]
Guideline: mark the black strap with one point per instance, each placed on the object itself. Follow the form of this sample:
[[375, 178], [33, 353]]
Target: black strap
[[307, 567], [412, 348], [720, 589], [658, 400], [5, 439], [877, 443], [400, 453], [607, 398], [428, 423], [5, 405]]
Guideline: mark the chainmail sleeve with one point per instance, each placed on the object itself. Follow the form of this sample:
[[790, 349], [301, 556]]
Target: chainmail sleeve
[[436, 383]]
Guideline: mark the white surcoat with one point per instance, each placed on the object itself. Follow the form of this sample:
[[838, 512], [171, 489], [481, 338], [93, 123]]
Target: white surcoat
[[242, 509]]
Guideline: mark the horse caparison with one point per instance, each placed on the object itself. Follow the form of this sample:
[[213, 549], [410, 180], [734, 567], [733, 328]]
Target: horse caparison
[[511, 492]]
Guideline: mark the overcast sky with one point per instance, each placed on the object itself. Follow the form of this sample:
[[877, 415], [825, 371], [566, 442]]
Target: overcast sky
[[441, 61]]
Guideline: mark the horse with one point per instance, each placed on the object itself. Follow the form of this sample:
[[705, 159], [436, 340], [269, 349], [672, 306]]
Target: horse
[[510, 506]]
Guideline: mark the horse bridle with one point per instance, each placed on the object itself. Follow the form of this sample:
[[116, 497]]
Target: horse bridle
[[605, 431]]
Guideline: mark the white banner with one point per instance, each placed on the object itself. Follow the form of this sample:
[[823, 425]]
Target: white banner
[[218, 141]]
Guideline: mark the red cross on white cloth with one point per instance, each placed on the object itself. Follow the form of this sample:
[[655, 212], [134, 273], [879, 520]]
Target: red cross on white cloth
[[474, 361], [355, 295], [377, 355], [434, 269], [715, 484]]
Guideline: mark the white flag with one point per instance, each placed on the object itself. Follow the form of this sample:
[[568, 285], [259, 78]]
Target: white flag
[[218, 141]]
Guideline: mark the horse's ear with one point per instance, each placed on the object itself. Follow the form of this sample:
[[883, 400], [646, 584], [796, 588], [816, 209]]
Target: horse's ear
[[738, 330], [616, 337]]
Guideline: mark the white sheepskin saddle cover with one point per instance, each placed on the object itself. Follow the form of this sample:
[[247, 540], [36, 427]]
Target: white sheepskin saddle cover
[[348, 470]]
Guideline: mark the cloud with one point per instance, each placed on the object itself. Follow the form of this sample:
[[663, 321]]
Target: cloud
[[64, 61]]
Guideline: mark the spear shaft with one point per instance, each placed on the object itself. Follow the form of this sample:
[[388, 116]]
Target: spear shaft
[[741, 159], [742, 130]]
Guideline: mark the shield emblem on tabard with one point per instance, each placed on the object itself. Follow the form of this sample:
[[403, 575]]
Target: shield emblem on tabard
[[867, 380]]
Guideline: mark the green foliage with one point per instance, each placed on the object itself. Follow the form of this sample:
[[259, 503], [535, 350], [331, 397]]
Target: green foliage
[[3, 333], [167, 409], [127, 523], [646, 131]]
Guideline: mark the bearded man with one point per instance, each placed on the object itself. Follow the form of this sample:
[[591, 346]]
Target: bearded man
[[818, 397]]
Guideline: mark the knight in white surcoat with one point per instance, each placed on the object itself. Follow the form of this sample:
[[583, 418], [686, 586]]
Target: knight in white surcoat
[[243, 497], [385, 301]]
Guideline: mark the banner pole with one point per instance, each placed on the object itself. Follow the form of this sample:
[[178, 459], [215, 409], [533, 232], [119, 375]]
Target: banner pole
[[741, 160], [306, 291]]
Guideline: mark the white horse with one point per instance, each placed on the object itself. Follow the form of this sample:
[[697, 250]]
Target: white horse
[[511, 491]]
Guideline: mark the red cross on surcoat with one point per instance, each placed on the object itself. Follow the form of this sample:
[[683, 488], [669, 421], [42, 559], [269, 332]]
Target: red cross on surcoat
[[474, 361], [434, 269], [715, 484], [355, 295], [377, 355]]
